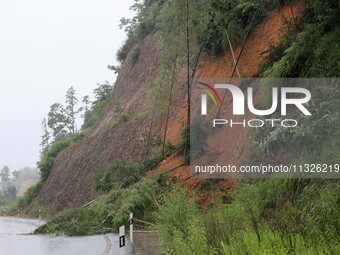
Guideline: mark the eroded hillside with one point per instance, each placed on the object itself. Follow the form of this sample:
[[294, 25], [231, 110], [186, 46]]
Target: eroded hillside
[[115, 139], [142, 134]]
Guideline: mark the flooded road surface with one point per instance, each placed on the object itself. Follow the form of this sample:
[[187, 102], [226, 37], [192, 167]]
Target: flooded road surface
[[15, 241]]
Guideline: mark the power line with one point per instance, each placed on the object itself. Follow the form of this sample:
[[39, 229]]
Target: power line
[[239, 56]]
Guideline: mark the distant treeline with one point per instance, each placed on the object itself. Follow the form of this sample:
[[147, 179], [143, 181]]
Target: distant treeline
[[10, 182]]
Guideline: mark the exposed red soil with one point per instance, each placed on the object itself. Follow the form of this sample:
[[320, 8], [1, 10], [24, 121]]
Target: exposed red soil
[[264, 35], [70, 180], [175, 127]]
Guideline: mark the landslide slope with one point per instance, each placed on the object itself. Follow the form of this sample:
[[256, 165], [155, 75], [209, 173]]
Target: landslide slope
[[70, 181]]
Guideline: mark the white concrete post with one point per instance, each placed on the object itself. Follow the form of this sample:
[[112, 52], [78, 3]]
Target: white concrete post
[[18, 213], [122, 240], [39, 215], [131, 227]]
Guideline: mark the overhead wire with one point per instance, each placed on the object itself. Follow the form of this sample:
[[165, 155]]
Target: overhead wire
[[239, 56]]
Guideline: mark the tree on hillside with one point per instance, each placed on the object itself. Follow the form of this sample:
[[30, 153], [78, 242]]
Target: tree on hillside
[[45, 138], [58, 121], [115, 68], [86, 102], [181, 23], [85, 108], [71, 113], [102, 92], [101, 95], [62, 119]]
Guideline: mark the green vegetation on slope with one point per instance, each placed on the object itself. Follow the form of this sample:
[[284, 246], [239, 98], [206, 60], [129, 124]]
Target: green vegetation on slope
[[48, 157], [187, 30], [61, 118], [290, 216], [274, 216], [309, 51], [209, 26], [282, 216]]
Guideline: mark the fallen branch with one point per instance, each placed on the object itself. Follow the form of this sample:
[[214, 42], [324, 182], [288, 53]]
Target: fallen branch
[[173, 169], [91, 202], [265, 51]]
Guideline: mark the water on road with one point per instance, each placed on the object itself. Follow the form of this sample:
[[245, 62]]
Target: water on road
[[15, 240]]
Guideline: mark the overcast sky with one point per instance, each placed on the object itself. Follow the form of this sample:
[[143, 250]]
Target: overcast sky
[[45, 47]]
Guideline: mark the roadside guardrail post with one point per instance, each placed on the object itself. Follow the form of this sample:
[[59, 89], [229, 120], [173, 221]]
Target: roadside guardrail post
[[131, 227], [122, 240]]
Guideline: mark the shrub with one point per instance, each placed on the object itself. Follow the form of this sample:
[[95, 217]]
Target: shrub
[[119, 174], [151, 163], [195, 242], [48, 157], [278, 216], [175, 215], [135, 55], [94, 114], [46, 212], [137, 198], [309, 51], [138, 27], [180, 227], [233, 25]]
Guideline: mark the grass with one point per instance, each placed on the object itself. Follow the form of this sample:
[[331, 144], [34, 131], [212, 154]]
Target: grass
[[291, 216], [275, 243], [45, 212], [118, 174]]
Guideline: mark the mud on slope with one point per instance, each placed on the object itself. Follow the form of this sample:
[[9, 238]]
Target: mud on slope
[[264, 35], [232, 143], [70, 180]]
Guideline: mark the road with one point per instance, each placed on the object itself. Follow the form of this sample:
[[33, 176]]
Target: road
[[15, 240]]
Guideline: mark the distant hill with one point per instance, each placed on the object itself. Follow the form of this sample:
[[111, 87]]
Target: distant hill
[[25, 185], [27, 177]]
